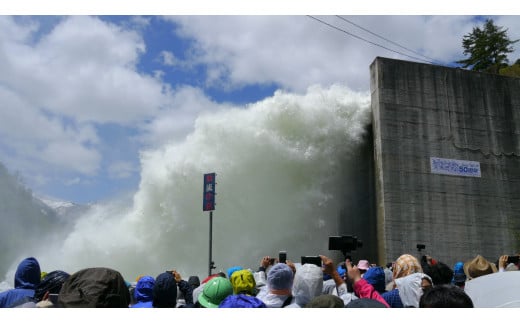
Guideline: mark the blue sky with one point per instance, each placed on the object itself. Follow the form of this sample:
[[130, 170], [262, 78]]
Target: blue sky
[[82, 96]]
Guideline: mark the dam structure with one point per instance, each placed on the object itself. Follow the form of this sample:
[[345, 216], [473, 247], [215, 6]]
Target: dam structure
[[446, 163]]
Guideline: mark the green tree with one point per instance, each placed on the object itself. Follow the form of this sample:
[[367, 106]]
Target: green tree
[[487, 48]]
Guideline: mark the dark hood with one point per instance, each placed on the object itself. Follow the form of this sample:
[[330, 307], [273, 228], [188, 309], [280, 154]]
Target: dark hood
[[165, 291], [27, 274], [144, 289]]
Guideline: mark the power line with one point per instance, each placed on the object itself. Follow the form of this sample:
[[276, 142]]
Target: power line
[[370, 42], [388, 40]]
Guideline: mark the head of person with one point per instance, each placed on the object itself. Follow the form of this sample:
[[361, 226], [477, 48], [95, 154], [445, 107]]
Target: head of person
[[243, 282], [445, 296], [307, 283], [231, 270], [363, 266], [94, 287], [411, 288], [440, 273], [27, 274], [479, 266], [375, 276], [51, 284], [325, 301], [406, 265], [164, 292], [459, 277], [214, 292], [426, 283], [365, 303], [194, 281], [241, 301], [143, 291], [280, 279]]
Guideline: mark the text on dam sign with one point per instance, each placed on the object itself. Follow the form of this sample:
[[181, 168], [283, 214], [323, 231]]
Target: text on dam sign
[[454, 167]]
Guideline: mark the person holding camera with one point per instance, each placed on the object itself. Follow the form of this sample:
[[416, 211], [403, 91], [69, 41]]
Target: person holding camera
[[340, 289], [278, 291], [507, 263], [362, 288]]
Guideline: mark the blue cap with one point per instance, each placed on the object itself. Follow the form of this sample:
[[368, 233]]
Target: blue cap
[[375, 276], [341, 271], [458, 268], [231, 270]]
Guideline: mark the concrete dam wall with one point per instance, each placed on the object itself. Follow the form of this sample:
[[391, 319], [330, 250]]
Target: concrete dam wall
[[446, 161]]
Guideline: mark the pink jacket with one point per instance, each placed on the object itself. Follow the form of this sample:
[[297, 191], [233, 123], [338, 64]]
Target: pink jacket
[[363, 289]]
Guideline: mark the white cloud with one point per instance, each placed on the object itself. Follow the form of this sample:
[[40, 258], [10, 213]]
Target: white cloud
[[84, 69], [168, 58], [174, 123], [297, 51], [59, 82], [32, 135]]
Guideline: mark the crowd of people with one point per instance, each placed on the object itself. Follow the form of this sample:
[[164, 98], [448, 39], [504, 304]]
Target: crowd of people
[[406, 282]]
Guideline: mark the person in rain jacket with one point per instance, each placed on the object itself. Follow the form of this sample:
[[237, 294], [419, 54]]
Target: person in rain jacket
[[26, 278], [45, 291], [375, 276], [362, 288], [404, 265], [165, 291], [307, 284], [411, 289], [277, 293], [143, 292], [340, 289]]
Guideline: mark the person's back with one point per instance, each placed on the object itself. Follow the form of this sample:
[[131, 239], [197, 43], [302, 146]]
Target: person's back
[[165, 291], [26, 278], [307, 284], [94, 287]]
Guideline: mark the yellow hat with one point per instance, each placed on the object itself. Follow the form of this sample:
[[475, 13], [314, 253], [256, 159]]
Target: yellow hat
[[243, 281]]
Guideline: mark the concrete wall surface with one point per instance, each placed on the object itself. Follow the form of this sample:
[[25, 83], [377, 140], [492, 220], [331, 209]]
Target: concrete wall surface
[[423, 111]]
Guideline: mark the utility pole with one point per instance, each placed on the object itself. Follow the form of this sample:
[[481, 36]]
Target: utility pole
[[208, 204]]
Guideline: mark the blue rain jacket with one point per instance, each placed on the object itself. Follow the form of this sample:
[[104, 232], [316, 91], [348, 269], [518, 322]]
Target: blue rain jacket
[[26, 278]]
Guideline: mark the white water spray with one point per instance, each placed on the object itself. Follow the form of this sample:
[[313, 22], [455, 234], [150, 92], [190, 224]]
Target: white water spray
[[277, 163]]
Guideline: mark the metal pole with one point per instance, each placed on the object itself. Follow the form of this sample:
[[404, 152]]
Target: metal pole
[[210, 240]]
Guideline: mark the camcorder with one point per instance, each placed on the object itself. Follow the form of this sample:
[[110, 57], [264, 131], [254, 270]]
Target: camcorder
[[344, 243], [316, 260], [512, 259]]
